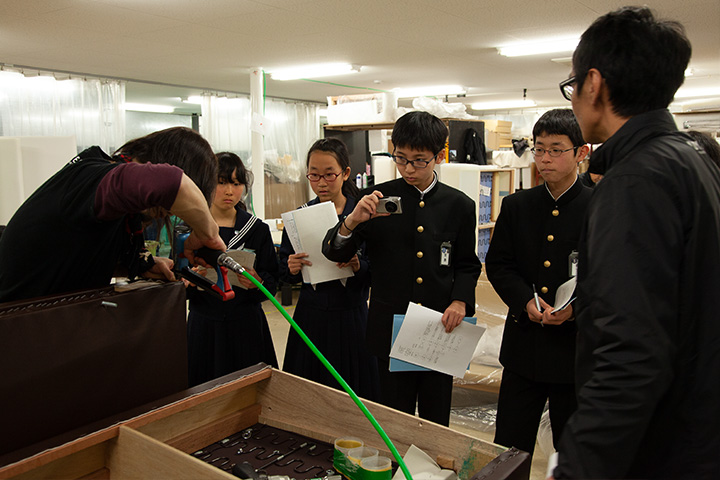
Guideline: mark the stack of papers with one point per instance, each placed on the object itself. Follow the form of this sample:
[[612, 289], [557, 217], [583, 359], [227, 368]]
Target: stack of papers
[[306, 229]]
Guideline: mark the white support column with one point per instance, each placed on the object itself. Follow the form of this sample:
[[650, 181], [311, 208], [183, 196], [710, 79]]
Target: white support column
[[257, 143]]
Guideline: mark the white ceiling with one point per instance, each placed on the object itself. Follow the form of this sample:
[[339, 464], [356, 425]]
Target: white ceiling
[[213, 44]]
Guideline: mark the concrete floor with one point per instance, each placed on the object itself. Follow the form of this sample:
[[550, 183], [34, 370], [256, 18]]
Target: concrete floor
[[490, 310]]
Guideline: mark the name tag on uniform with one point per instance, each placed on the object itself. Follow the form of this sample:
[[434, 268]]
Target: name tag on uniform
[[445, 254], [573, 263]]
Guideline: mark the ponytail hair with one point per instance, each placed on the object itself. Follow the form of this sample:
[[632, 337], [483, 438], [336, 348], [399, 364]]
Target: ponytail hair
[[337, 149]]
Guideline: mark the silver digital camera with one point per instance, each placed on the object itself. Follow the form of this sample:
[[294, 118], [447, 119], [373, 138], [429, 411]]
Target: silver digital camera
[[389, 205]]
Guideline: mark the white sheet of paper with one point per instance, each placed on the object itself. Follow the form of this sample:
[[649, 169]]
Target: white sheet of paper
[[422, 340], [306, 229], [422, 467], [243, 257], [564, 294]]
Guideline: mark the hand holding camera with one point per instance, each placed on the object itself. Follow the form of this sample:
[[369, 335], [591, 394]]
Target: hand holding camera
[[390, 205], [371, 206]]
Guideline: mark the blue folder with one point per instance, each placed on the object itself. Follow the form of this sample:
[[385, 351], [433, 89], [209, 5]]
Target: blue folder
[[401, 365]]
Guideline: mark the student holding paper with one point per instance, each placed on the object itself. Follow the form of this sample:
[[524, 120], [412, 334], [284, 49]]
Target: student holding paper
[[333, 314], [226, 336], [532, 253], [425, 255]]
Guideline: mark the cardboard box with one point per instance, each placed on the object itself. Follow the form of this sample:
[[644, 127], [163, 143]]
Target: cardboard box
[[497, 140], [500, 126], [363, 108]]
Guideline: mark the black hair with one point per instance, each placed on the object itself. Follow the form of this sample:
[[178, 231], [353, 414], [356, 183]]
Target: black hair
[[179, 146], [229, 163], [708, 143], [338, 149], [420, 131], [641, 59], [560, 121]]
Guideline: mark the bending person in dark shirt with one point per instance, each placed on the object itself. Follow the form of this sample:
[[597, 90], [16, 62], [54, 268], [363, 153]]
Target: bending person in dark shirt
[[86, 220]]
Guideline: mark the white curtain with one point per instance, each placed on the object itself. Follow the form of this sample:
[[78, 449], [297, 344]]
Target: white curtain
[[291, 129], [225, 124], [91, 109]]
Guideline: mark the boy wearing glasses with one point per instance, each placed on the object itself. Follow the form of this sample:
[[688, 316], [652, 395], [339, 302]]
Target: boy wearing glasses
[[424, 255], [532, 251]]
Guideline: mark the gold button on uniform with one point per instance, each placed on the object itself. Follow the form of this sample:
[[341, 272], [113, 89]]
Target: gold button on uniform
[[544, 289], [556, 212], [422, 203], [419, 280], [546, 263], [551, 238], [419, 254], [420, 229]]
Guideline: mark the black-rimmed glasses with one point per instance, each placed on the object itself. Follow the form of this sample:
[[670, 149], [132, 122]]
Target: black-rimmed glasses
[[329, 177], [553, 152], [567, 88], [417, 163]]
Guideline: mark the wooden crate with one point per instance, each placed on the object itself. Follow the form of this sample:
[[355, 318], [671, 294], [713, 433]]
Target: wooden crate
[[157, 443]]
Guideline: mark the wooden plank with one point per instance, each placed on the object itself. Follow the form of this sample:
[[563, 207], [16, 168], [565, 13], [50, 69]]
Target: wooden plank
[[53, 459], [75, 465], [218, 392], [231, 402], [223, 427], [102, 474], [138, 456], [186, 420], [328, 413]]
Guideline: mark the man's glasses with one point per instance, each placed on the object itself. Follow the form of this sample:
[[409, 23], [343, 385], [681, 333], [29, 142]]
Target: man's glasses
[[418, 163], [567, 88], [329, 177], [553, 152]]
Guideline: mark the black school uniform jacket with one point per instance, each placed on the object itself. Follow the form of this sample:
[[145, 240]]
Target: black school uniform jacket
[[404, 254], [648, 363], [533, 238]]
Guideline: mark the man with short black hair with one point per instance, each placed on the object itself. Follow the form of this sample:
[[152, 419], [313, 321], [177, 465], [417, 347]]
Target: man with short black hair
[[648, 351]]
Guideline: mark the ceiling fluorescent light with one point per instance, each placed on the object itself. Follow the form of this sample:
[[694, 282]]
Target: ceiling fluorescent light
[[503, 104], [146, 107], [314, 71], [432, 91], [539, 48]]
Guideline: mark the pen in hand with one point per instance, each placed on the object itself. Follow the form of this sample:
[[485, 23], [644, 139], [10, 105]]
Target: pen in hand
[[537, 303]]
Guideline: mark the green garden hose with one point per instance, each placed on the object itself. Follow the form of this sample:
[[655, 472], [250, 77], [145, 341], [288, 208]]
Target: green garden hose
[[335, 374]]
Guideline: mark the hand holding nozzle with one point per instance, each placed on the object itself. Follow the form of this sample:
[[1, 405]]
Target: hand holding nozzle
[[217, 257], [225, 260], [222, 289]]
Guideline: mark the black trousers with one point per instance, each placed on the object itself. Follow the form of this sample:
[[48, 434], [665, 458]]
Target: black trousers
[[520, 406], [431, 391]]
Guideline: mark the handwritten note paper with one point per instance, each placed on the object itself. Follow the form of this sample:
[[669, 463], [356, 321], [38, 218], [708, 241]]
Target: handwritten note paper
[[422, 341]]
